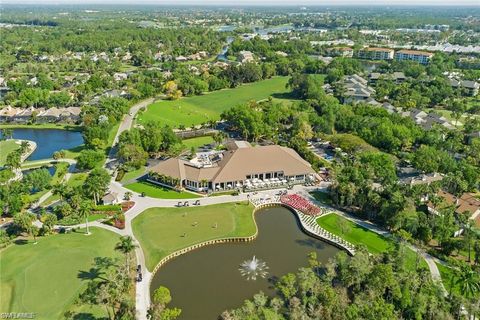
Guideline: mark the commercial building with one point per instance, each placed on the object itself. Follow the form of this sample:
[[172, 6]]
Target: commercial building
[[422, 57], [240, 167]]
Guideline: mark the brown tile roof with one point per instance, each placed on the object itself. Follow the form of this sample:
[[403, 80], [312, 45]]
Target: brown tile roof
[[416, 52], [237, 164]]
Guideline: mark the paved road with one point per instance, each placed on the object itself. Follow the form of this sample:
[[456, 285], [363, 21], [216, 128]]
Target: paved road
[[126, 124]]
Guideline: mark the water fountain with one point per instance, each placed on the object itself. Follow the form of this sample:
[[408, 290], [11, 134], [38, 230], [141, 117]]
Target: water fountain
[[251, 269]]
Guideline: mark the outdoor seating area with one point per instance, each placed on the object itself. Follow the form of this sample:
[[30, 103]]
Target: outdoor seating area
[[301, 204], [252, 184]]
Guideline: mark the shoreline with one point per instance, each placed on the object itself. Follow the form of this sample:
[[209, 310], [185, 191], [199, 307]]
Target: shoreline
[[46, 126]]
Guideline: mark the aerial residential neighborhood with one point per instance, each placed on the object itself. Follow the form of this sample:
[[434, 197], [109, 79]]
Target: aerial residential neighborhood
[[231, 161]]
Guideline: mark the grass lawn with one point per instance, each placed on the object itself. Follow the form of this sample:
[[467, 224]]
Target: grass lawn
[[134, 174], [358, 235], [44, 278], [42, 126], [198, 109], [7, 146], [197, 142], [160, 230], [77, 179], [156, 191], [447, 273], [355, 234]]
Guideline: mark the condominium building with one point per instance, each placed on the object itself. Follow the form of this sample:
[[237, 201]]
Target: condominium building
[[413, 55], [376, 53]]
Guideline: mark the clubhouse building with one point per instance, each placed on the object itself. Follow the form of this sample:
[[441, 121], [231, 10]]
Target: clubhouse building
[[240, 167]]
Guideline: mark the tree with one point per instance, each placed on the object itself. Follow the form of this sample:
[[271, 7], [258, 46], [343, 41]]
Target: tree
[[84, 210], [38, 179], [126, 246], [13, 160], [25, 222], [96, 183], [469, 282], [88, 159], [158, 309]]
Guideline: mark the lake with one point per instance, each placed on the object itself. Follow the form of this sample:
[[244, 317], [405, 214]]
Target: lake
[[48, 140], [207, 281]]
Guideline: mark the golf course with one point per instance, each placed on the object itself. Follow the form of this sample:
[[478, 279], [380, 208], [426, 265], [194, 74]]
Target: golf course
[[46, 278], [162, 231], [195, 110]]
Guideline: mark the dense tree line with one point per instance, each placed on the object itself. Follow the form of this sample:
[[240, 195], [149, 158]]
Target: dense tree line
[[361, 287]]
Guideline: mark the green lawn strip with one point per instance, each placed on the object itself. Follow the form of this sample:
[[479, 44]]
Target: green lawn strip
[[197, 142], [44, 278], [134, 174], [162, 231], [6, 147], [42, 126], [359, 235], [355, 234], [447, 273], [197, 109], [77, 179], [156, 191]]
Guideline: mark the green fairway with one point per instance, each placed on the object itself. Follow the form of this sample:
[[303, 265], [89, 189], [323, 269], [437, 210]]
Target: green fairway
[[197, 109], [354, 233], [197, 142], [6, 147], [162, 231], [44, 278], [156, 191], [358, 235]]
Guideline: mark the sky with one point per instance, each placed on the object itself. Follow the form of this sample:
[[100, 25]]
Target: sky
[[253, 2]]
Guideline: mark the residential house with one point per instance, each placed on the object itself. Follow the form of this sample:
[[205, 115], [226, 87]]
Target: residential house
[[356, 89], [245, 56]]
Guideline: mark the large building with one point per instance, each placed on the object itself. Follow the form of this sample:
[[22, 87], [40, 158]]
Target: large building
[[376, 53], [243, 166], [422, 57]]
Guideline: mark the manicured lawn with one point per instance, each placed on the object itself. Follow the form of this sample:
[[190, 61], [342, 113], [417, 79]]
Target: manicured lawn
[[156, 191], [358, 235], [355, 233], [42, 126], [77, 179], [197, 142], [134, 174], [44, 278], [198, 109], [6, 147], [162, 231]]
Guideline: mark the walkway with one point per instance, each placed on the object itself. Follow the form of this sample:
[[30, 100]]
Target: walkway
[[430, 260], [125, 124]]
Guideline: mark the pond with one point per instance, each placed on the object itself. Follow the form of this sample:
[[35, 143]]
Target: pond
[[51, 170], [207, 281], [48, 140]]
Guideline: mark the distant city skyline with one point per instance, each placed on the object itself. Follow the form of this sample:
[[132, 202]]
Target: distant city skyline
[[256, 3]]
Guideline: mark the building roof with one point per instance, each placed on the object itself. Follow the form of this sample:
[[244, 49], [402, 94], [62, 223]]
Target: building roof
[[415, 52], [236, 164], [379, 49]]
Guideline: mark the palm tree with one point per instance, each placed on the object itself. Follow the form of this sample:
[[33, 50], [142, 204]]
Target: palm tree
[[85, 208], [59, 189], [469, 281], [126, 246], [25, 222]]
